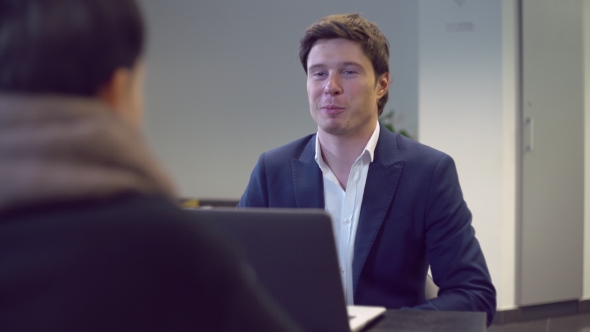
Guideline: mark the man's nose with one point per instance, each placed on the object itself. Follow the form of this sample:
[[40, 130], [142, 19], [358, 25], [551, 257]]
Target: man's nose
[[333, 86]]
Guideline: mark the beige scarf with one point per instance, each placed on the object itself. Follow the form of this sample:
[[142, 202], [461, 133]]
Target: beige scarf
[[59, 149]]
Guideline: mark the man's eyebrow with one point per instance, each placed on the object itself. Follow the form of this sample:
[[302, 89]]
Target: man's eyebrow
[[342, 64], [319, 65], [357, 66], [351, 63]]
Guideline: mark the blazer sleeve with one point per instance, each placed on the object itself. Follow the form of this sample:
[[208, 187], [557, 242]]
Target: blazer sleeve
[[457, 262], [256, 193]]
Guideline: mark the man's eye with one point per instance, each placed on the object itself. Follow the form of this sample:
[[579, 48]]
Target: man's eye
[[318, 74], [349, 72]]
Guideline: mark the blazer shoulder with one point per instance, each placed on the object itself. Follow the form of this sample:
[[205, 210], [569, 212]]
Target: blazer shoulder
[[393, 147], [295, 149], [410, 149]]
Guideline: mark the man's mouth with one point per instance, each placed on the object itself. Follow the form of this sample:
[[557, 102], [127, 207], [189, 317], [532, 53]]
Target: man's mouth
[[332, 109]]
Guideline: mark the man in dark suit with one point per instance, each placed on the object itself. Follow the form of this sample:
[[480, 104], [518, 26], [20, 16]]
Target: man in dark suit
[[90, 236], [396, 204]]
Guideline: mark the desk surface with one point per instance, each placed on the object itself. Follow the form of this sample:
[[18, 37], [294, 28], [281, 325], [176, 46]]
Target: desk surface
[[435, 321]]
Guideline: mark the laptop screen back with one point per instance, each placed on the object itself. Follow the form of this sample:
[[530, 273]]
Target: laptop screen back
[[294, 256]]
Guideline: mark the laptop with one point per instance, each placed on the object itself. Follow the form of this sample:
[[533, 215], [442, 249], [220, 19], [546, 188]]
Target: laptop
[[293, 254]]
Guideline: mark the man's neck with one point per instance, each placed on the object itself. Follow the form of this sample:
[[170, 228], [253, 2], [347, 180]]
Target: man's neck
[[340, 152]]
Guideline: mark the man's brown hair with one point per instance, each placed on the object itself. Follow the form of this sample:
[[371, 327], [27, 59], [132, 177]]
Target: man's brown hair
[[355, 28]]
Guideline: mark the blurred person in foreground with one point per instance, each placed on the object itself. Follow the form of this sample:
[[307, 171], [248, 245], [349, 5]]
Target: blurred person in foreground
[[90, 236]]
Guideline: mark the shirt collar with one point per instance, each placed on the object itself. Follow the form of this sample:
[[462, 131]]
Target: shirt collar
[[369, 148]]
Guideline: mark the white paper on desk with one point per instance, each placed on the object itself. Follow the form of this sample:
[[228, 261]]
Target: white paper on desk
[[360, 316]]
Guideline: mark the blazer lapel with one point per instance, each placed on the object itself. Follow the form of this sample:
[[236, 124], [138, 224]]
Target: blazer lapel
[[308, 184], [382, 180]]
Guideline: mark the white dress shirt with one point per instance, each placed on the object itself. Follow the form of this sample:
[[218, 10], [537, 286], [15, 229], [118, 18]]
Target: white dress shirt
[[344, 207]]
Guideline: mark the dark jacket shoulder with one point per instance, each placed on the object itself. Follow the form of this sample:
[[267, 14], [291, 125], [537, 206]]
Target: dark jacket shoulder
[[402, 148], [132, 262], [293, 149]]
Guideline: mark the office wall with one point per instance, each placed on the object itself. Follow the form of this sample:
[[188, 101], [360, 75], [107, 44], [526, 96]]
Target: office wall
[[550, 252], [467, 108], [467, 50], [224, 82], [586, 17], [510, 132]]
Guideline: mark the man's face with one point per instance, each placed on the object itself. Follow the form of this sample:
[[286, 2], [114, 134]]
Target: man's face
[[342, 89]]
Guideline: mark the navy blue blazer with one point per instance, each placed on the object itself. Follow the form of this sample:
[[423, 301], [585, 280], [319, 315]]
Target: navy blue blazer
[[413, 215]]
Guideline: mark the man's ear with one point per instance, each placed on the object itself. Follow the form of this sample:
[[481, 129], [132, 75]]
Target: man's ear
[[115, 92], [383, 84]]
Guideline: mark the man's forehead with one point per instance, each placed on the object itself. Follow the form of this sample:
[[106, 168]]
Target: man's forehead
[[337, 51], [342, 42]]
